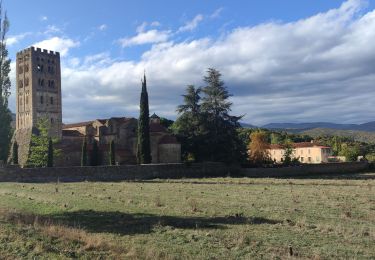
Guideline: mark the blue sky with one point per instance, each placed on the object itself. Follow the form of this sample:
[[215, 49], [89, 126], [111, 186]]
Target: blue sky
[[286, 60]]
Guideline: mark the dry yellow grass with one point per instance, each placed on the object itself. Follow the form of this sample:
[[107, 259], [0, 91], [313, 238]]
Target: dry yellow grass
[[221, 218]]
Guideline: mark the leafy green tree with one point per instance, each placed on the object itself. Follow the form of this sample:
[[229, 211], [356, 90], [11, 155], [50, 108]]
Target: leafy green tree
[[167, 123], [288, 153], [222, 143], [275, 138], [112, 153], [40, 152], [84, 153], [50, 153], [15, 153], [351, 152], [189, 126], [5, 114], [204, 126], [143, 146], [94, 158]]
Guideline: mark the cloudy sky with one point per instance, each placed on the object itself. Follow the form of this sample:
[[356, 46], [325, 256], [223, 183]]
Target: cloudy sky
[[283, 61]]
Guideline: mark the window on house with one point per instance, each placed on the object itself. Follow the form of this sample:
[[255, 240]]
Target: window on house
[[302, 159], [309, 159], [51, 100], [20, 84], [26, 68], [51, 120], [26, 81], [41, 100], [20, 69]]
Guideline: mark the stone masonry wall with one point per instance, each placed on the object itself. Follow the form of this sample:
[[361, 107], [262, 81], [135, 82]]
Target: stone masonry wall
[[306, 170], [114, 173], [167, 171]]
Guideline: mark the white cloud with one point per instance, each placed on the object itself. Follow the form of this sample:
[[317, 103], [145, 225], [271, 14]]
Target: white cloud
[[52, 29], [191, 25], [102, 27], [14, 39], [62, 45], [43, 18], [315, 69], [217, 13], [142, 27], [155, 24], [145, 37]]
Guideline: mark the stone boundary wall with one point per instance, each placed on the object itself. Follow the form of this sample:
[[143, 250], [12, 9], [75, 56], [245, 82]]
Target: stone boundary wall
[[306, 170], [115, 173], [168, 171]]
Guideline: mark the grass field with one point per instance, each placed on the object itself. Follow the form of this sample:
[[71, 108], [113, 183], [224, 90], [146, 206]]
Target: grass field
[[222, 218]]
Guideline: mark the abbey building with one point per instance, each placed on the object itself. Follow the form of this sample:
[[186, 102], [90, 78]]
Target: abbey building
[[38, 92]]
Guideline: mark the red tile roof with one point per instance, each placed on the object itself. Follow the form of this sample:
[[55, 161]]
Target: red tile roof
[[298, 145], [71, 133], [80, 124]]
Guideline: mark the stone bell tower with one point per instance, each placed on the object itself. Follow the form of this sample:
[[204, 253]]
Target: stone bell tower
[[38, 95]]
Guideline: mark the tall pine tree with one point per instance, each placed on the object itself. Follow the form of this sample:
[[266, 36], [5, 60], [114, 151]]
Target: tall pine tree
[[222, 143], [5, 115], [143, 144], [188, 126]]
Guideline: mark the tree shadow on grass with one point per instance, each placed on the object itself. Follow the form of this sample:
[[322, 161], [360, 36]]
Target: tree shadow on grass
[[127, 224]]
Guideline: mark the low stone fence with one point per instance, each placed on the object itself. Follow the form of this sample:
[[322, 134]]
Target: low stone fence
[[115, 173], [306, 170], [169, 171]]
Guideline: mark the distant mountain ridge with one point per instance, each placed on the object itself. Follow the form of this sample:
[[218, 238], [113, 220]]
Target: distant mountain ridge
[[360, 136], [367, 127]]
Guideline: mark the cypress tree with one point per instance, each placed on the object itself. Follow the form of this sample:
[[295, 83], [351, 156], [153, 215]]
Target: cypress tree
[[5, 115], [84, 153], [143, 147], [94, 154], [112, 153], [15, 153], [50, 153]]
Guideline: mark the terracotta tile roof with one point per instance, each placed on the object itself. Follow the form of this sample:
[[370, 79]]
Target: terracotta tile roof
[[71, 133], [298, 145], [80, 124], [102, 121]]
